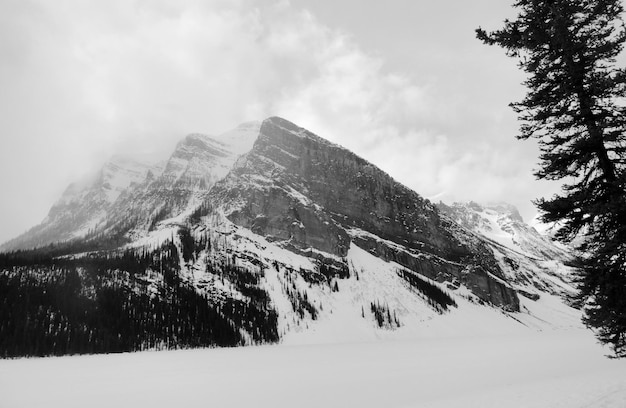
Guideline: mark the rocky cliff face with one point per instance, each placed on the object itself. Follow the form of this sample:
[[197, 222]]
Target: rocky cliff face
[[305, 192], [532, 262], [197, 163], [272, 230], [503, 224], [128, 198]]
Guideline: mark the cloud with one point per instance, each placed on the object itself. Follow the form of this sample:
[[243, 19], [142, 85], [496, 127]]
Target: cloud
[[82, 80]]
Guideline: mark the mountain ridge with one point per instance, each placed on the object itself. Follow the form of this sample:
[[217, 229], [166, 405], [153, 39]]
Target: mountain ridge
[[278, 233]]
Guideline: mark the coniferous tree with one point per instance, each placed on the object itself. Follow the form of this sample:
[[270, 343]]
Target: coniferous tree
[[575, 108]]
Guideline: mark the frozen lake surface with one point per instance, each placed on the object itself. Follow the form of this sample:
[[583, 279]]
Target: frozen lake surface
[[561, 368]]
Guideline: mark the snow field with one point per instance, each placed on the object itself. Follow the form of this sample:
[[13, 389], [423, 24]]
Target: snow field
[[550, 369], [344, 315]]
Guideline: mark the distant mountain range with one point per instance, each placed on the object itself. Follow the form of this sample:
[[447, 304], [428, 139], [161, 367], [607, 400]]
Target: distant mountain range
[[269, 233]]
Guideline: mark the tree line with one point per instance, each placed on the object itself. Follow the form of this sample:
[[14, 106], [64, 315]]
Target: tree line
[[125, 300], [575, 108]]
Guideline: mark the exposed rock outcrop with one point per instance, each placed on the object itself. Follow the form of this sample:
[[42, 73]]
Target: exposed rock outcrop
[[298, 188]]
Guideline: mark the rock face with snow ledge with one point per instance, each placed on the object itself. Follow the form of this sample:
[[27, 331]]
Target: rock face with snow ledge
[[502, 223], [273, 233], [129, 198], [305, 192], [533, 263], [197, 163]]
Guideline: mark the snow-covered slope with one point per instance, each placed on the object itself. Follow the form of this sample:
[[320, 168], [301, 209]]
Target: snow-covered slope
[[127, 195], [280, 235], [206, 158], [532, 261], [85, 204], [502, 224], [195, 166], [334, 239]]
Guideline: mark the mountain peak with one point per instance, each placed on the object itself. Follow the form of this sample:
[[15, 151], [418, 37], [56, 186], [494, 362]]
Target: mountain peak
[[197, 140], [274, 229], [284, 123], [506, 208], [501, 222], [499, 207]]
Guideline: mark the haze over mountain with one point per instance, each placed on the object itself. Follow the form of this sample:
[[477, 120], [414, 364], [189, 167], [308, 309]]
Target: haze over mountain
[[83, 82], [271, 233]]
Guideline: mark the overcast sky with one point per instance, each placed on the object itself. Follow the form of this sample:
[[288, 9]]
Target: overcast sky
[[402, 83]]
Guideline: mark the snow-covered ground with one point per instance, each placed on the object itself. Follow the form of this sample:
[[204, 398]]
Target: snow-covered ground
[[563, 368]]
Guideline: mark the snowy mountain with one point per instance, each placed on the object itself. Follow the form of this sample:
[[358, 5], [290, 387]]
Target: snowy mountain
[[270, 233], [127, 195], [502, 224], [84, 204], [533, 262]]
